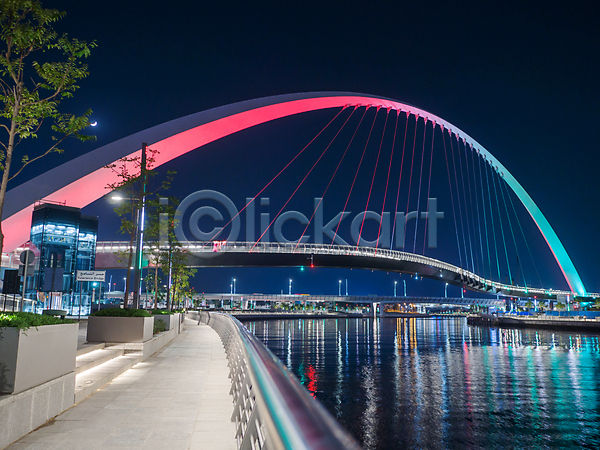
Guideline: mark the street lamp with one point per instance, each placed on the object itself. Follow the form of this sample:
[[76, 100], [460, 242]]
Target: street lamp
[[395, 285], [446, 291], [124, 284], [234, 285], [290, 287], [340, 288], [404, 281], [138, 215]]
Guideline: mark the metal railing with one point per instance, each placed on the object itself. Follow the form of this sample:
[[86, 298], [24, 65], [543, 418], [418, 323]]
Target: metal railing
[[342, 250], [272, 410]]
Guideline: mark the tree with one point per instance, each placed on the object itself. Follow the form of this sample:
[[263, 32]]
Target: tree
[[135, 175], [168, 253], [32, 86]]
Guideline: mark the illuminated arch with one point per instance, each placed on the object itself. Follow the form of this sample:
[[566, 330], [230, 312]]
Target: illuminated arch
[[84, 179]]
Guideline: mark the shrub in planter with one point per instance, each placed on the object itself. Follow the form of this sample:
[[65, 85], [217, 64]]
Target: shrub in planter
[[159, 326], [34, 349], [121, 312], [120, 325], [167, 317]]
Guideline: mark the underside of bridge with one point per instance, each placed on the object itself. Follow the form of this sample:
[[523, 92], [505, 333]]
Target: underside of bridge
[[239, 259]]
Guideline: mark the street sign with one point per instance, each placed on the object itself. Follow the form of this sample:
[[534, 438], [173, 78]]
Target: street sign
[[27, 257], [91, 275], [30, 270]]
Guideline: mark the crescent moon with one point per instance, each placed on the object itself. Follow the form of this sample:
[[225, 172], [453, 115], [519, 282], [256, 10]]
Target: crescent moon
[[94, 123]]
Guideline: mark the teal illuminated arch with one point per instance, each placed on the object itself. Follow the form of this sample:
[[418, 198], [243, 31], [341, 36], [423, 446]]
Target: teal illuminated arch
[[82, 180]]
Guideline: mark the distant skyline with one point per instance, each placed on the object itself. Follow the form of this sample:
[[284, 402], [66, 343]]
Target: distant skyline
[[519, 78]]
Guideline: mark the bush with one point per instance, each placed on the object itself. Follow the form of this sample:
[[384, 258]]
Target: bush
[[119, 312], [24, 320], [158, 312], [159, 326]]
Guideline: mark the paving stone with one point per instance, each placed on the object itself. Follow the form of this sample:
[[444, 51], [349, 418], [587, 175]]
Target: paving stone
[[177, 399]]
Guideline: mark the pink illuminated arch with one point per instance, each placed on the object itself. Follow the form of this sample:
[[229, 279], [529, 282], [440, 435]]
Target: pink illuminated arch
[[84, 179]]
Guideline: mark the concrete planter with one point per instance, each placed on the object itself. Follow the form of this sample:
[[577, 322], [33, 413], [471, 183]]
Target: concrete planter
[[37, 355], [119, 329], [171, 320]]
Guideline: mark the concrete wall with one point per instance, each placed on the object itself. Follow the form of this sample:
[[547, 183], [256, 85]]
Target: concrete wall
[[120, 329], [32, 357], [170, 320], [24, 412]]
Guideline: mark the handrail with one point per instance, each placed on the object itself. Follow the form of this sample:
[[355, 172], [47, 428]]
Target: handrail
[[273, 410], [348, 250]]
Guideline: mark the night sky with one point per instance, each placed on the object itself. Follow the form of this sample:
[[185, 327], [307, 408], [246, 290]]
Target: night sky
[[519, 77]]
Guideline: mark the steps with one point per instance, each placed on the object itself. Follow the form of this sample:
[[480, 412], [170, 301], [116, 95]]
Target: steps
[[97, 365]]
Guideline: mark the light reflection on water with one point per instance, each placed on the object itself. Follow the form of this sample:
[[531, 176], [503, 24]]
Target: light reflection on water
[[427, 383]]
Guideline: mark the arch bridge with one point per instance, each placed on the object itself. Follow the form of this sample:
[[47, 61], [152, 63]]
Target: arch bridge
[[83, 180]]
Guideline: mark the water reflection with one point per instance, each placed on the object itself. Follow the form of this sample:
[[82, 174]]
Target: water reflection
[[423, 383]]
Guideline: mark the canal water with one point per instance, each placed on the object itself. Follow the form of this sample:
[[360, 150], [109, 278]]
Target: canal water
[[442, 384]]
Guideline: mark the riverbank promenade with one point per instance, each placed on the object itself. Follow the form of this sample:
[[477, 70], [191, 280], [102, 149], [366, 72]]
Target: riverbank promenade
[[176, 399]]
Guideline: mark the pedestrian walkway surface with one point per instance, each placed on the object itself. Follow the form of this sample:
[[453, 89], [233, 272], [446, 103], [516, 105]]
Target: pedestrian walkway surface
[[176, 399]]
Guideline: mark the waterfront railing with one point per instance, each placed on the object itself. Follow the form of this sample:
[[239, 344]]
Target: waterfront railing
[[272, 410]]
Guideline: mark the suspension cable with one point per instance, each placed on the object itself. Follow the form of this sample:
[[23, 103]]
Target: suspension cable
[[373, 179], [487, 179], [475, 189], [429, 186], [298, 187], [420, 182], [467, 166], [451, 195], [280, 172], [462, 226], [399, 180], [502, 229], [524, 238], [485, 227], [511, 230], [410, 179], [462, 179], [357, 170], [387, 181], [330, 180]]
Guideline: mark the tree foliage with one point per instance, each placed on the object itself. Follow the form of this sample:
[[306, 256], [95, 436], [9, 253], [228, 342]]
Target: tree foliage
[[38, 70]]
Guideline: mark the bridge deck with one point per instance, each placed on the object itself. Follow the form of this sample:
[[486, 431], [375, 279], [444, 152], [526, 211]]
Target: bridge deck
[[177, 399]]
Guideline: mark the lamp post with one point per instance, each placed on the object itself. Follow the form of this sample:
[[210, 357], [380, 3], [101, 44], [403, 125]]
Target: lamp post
[[404, 281], [446, 291], [395, 285], [340, 288], [124, 284], [138, 226], [234, 286], [290, 287]]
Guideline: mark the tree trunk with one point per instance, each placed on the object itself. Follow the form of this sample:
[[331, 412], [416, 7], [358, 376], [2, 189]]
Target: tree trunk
[[8, 160], [156, 286]]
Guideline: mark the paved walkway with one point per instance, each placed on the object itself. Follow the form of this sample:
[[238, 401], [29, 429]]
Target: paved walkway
[[177, 399]]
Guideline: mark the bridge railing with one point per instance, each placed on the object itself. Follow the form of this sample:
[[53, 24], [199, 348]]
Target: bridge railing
[[272, 410], [343, 250]]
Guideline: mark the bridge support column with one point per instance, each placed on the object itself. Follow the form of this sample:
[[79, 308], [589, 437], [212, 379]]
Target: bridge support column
[[381, 310], [374, 309]]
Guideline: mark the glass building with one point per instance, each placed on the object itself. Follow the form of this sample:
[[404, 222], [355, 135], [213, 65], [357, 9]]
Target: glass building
[[66, 241]]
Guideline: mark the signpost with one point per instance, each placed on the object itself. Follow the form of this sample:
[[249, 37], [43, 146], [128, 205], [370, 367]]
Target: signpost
[[88, 275], [91, 275]]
